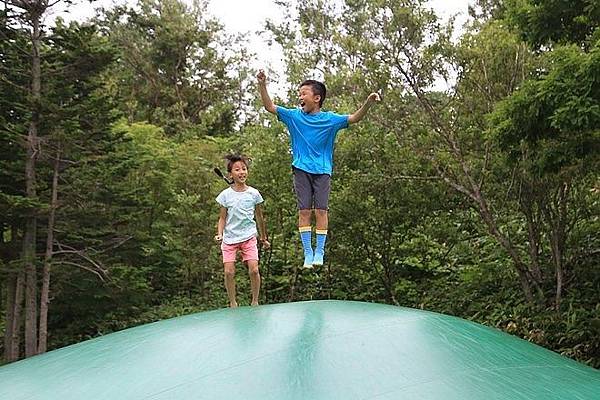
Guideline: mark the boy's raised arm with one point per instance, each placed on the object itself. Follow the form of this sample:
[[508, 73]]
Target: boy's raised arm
[[264, 95], [361, 112]]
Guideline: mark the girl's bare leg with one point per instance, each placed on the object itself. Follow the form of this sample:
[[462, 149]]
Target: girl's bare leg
[[230, 282], [254, 280]]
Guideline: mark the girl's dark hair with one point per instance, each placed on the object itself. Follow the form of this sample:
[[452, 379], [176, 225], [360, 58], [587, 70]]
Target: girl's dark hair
[[233, 158], [317, 88]]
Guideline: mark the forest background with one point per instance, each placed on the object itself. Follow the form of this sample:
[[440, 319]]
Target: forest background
[[480, 200]]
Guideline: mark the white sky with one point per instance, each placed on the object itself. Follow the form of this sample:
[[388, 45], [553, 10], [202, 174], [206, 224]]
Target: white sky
[[248, 17]]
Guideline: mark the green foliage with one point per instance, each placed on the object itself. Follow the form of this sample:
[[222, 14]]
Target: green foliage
[[14, 81], [177, 68], [555, 117], [543, 22]]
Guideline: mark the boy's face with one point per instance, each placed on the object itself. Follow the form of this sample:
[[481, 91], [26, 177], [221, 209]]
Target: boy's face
[[308, 100], [239, 172]]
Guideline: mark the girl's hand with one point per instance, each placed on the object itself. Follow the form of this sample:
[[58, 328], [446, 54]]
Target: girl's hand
[[265, 244], [218, 238]]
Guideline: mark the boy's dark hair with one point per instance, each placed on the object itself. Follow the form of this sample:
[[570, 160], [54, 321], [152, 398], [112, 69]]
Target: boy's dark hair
[[233, 158], [317, 88]]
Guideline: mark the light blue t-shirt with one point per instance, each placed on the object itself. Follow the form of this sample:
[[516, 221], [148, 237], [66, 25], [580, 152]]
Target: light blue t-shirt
[[312, 137], [239, 225]]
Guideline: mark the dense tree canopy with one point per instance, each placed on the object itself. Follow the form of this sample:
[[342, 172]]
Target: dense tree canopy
[[544, 22]]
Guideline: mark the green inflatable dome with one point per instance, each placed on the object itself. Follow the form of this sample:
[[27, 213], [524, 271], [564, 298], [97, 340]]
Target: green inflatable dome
[[308, 350]]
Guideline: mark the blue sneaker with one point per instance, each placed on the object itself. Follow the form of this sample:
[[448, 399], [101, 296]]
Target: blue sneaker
[[308, 262], [318, 259]]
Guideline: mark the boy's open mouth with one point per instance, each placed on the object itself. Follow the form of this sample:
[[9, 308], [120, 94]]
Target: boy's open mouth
[[302, 104]]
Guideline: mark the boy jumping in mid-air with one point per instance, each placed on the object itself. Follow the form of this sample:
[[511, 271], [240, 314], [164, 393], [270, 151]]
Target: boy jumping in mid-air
[[312, 134], [236, 230]]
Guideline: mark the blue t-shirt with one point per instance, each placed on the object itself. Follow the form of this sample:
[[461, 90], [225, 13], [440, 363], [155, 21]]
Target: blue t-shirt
[[313, 137]]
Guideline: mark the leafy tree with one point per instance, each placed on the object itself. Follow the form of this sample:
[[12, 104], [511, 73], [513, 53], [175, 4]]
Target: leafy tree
[[549, 131], [59, 113], [27, 16], [14, 66], [547, 22], [178, 70], [379, 206]]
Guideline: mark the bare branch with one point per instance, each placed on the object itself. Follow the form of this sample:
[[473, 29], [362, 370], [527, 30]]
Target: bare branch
[[81, 266]]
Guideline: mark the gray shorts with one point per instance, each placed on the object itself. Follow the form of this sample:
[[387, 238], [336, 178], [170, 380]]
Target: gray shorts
[[311, 189]]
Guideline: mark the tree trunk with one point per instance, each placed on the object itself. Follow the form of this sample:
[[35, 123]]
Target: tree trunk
[[29, 240], [30, 289], [533, 234], [14, 300], [11, 286], [11, 281], [557, 221], [522, 271], [386, 265], [44, 296], [12, 334]]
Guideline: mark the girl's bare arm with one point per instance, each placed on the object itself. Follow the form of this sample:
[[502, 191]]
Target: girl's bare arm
[[262, 226], [221, 224]]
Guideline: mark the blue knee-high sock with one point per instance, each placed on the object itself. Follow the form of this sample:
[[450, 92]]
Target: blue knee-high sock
[[306, 236], [321, 238]]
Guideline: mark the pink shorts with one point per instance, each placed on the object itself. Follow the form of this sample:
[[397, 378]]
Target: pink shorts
[[248, 248]]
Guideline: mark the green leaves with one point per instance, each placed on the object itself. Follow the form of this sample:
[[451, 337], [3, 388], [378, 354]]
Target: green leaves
[[177, 68], [555, 116], [543, 22]]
